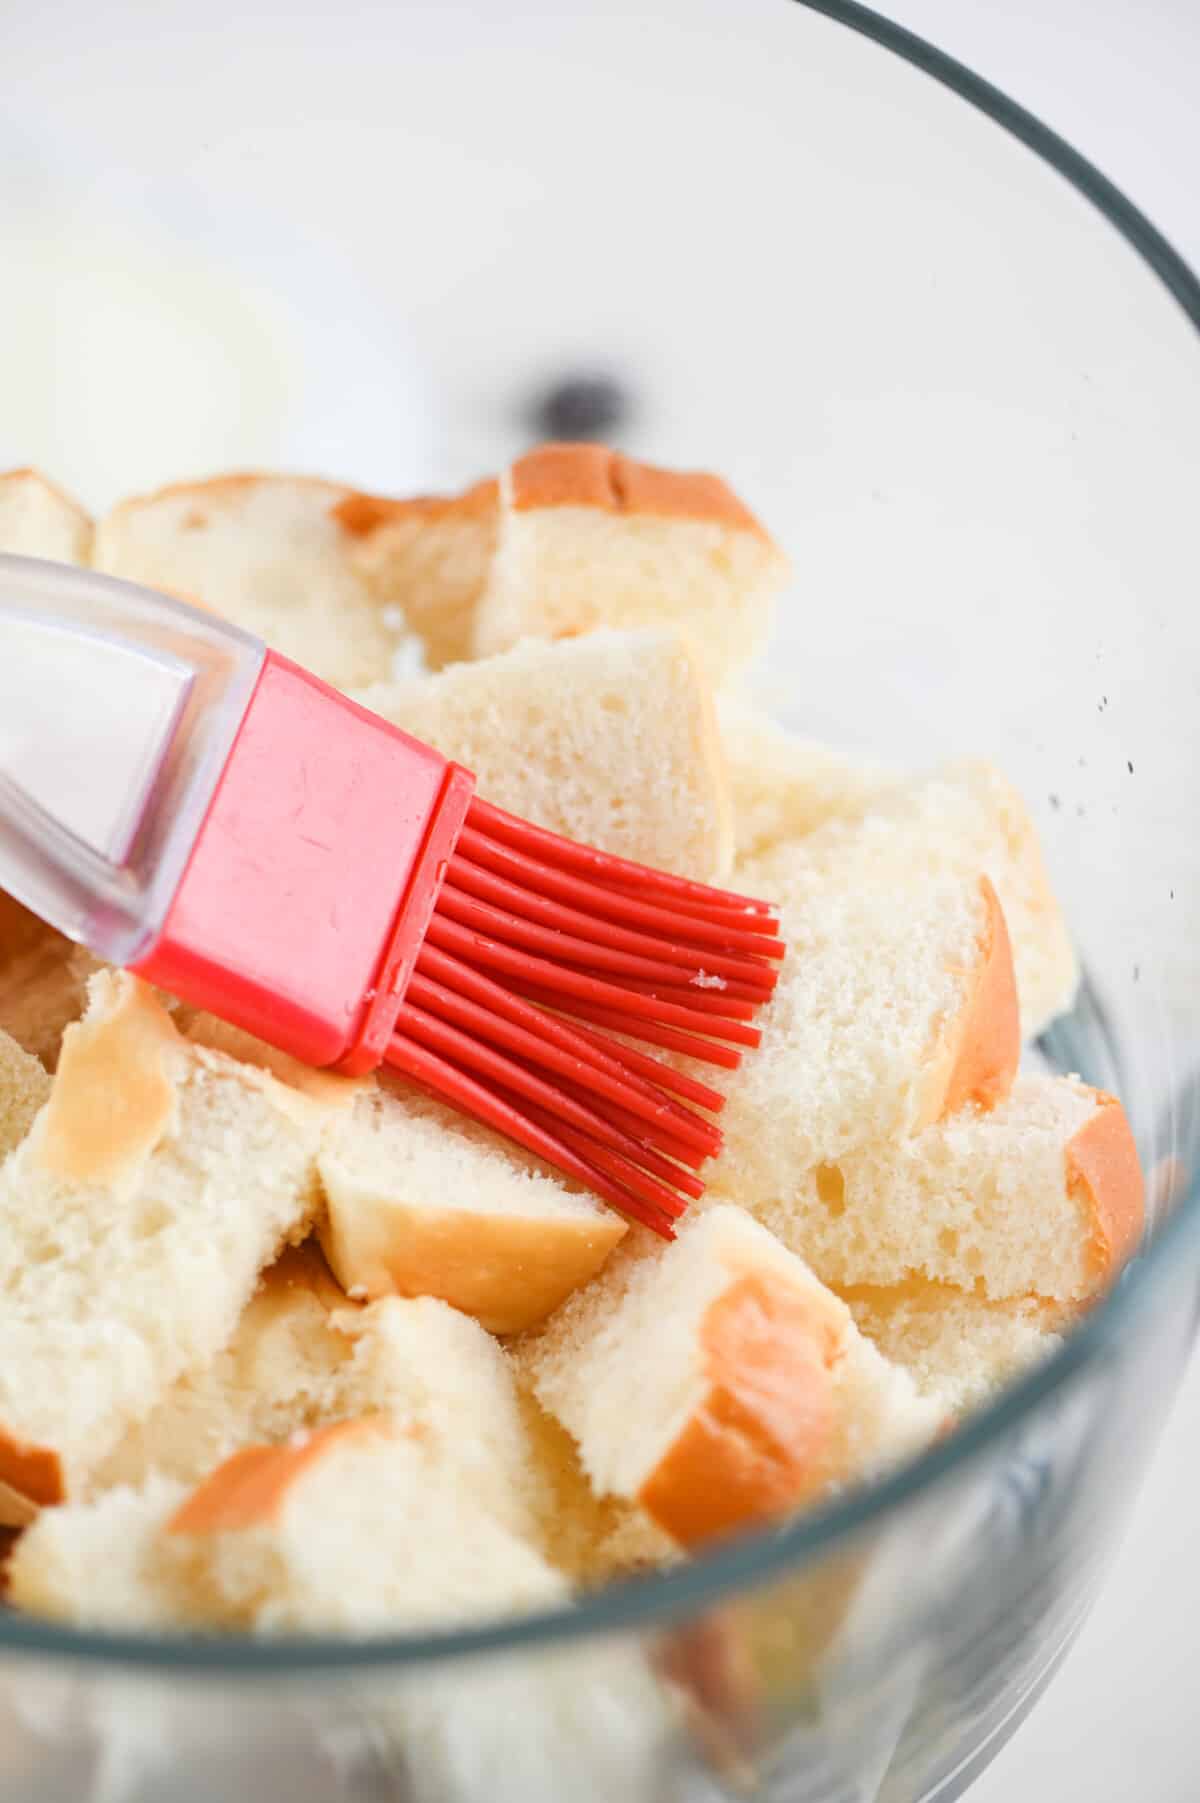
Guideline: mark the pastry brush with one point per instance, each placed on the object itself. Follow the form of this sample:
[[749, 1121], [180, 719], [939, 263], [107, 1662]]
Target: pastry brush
[[193, 806]]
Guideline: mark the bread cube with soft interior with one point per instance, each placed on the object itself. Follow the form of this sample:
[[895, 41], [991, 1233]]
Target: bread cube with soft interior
[[303, 1357], [283, 1530], [784, 786], [157, 1181], [24, 1087], [592, 1538], [716, 1383], [271, 553], [107, 1564], [961, 820], [282, 1371], [588, 537], [424, 1202], [895, 1005], [428, 558], [958, 1348], [609, 739], [38, 519], [1042, 1196], [314, 1535], [438, 1374]]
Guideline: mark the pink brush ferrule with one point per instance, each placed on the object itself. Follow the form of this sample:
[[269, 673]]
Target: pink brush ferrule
[[312, 880]]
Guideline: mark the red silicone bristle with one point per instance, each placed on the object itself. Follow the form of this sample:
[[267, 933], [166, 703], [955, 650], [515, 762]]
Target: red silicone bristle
[[501, 1071], [732, 920], [642, 1158], [617, 1167], [668, 1037], [726, 929], [651, 1078], [532, 1046], [485, 817], [589, 954], [667, 938], [701, 1000], [653, 1068], [532, 935], [483, 1104], [665, 1141], [565, 987], [525, 1090], [675, 1176], [594, 930]]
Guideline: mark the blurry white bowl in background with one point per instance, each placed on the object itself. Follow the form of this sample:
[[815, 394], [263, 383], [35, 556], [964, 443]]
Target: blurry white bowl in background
[[146, 334]]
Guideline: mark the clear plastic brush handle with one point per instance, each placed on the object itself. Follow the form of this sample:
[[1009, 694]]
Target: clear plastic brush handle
[[118, 710]]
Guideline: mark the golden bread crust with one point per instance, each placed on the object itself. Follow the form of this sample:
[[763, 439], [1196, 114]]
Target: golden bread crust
[[977, 1052], [509, 1272], [251, 1488], [362, 515], [31, 1477], [753, 1447], [1105, 1175], [114, 1097], [588, 475], [220, 488], [322, 1086], [27, 473]]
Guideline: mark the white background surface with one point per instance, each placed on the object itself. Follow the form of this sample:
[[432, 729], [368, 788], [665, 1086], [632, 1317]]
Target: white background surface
[[1118, 78]]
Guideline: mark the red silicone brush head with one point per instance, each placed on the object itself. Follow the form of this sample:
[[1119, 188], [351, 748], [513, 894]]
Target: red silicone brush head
[[530, 928], [349, 899]]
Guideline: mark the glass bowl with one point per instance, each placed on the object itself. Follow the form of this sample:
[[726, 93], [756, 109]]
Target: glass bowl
[[959, 374]]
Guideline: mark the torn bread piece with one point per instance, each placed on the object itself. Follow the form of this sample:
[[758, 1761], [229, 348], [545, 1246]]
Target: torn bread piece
[[976, 805], [961, 819], [281, 1532], [354, 1532], [716, 1383], [609, 739], [105, 1564], [958, 1348], [37, 519], [281, 1371], [1042, 1196], [895, 1006], [593, 1539], [423, 1202], [270, 553], [304, 1357], [24, 1087], [590, 538], [274, 1540], [429, 558], [437, 1373], [784, 786], [153, 1187], [334, 1093]]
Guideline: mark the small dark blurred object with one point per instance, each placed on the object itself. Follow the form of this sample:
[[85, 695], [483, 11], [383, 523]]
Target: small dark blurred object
[[581, 407]]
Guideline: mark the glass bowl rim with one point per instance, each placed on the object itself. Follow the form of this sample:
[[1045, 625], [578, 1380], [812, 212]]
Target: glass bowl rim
[[655, 1601]]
